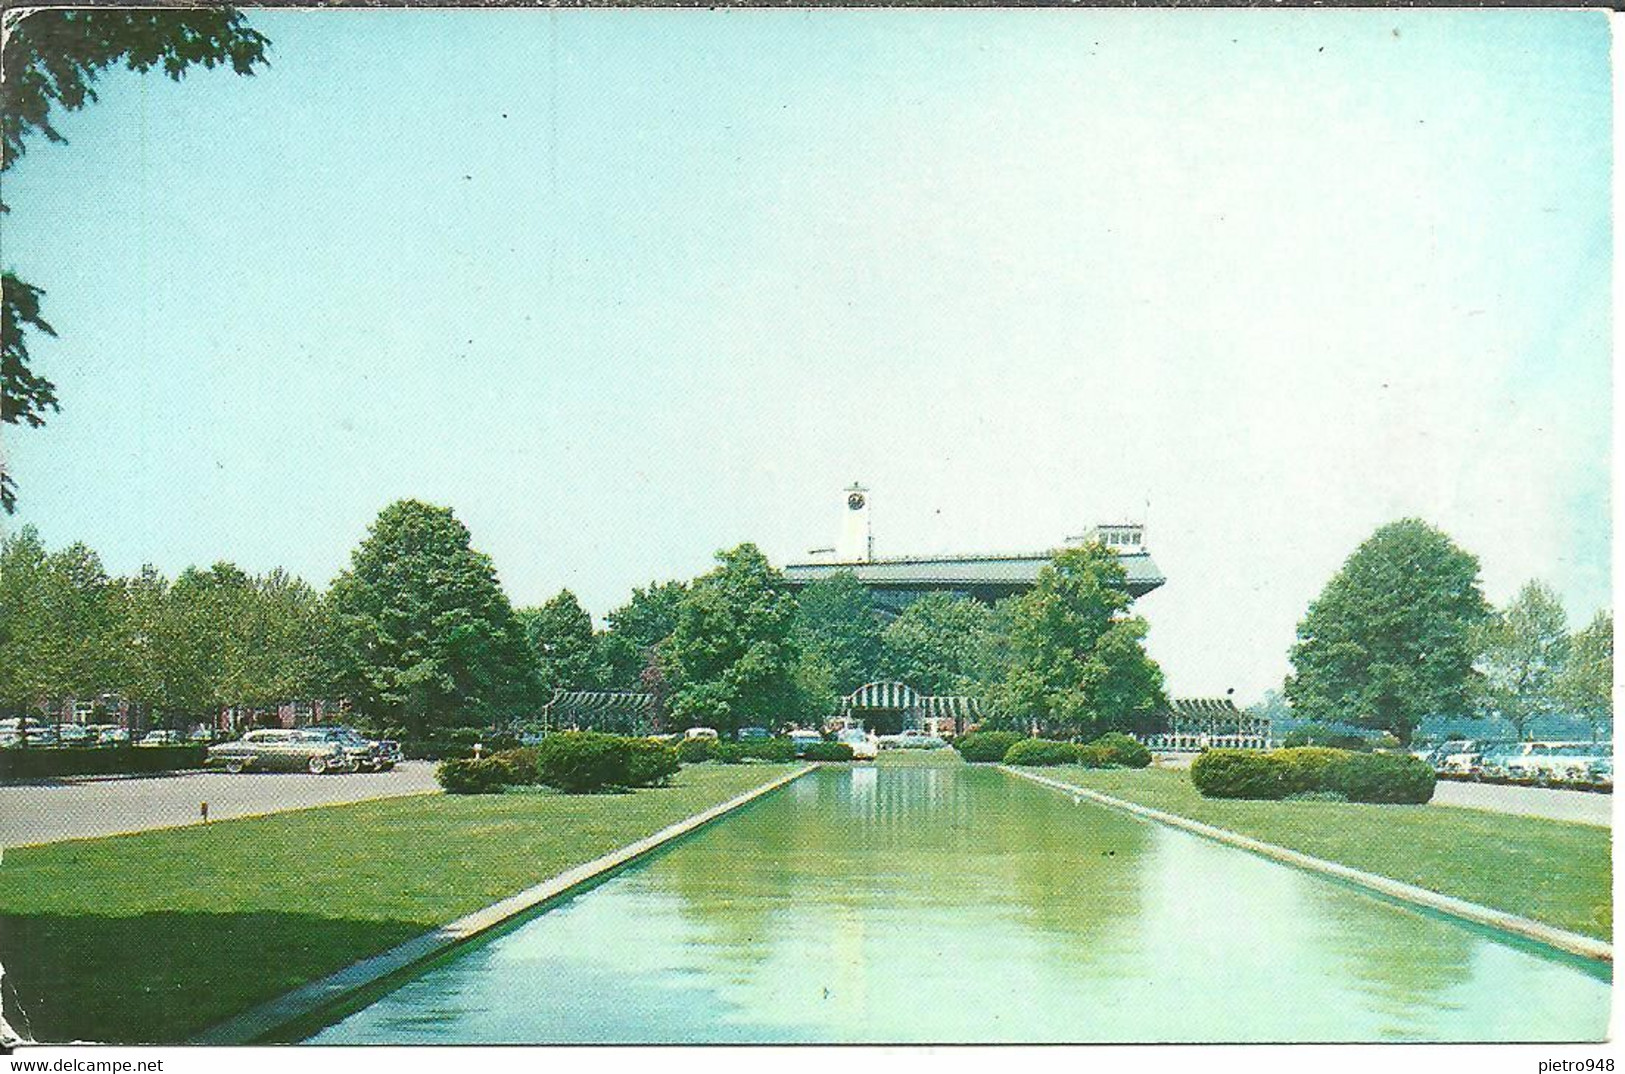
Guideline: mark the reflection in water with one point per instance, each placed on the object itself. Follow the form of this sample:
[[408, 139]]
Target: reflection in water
[[953, 904]]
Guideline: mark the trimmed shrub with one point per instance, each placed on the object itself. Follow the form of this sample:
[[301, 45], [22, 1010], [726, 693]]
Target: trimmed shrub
[[1239, 774], [987, 745], [1381, 777], [41, 762], [648, 763], [580, 761], [1304, 767], [466, 775], [1313, 773], [1316, 796], [520, 764], [696, 750], [1124, 749], [1041, 752], [1094, 755], [777, 750], [828, 751]]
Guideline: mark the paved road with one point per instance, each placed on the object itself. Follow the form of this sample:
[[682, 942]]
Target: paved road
[[49, 811], [1583, 807]]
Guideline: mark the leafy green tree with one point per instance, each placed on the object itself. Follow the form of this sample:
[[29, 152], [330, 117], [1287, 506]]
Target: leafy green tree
[[837, 628], [1391, 637], [560, 634], [1523, 648], [429, 636], [1078, 665], [60, 616], [635, 630], [935, 644], [51, 59], [732, 656], [1586, 684], [1273, 706]]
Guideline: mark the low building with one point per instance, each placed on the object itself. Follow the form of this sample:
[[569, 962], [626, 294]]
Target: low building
[[895, 582], [1193, 724]]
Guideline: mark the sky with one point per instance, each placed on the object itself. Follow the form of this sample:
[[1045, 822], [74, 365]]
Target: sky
[[624, 288]]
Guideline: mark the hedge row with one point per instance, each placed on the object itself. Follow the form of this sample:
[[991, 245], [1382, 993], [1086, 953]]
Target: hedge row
[[576, 762], [1357, 777], [987, 745], [1111, 750], [33, 763], [827, 751]]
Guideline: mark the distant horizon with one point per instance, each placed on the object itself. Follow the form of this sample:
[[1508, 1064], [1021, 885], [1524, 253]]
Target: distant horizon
[[624, 288]]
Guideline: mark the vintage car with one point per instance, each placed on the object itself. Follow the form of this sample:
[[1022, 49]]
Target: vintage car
[[1457, 759], [864, 745], [801, 739], [1563, 764], [370, 755], [912, 739], [283, 750]]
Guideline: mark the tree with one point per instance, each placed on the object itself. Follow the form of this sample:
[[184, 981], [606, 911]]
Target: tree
[[429, 637], [58, 625], [1078, 665], [837, 629], [1522, 652], [1586, 684], [51, 59], [1391, 637], [935, 644], [635, 630], [732, 656], [560, 634]]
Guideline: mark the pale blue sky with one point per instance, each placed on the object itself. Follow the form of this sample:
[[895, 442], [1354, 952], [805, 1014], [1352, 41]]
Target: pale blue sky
[[625, 287]]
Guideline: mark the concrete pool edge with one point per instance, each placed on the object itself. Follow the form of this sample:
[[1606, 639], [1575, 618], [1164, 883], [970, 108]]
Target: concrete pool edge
[[1572, 943], [309, 1000]]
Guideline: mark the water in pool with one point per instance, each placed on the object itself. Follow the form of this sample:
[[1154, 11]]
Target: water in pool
[[960, 904]]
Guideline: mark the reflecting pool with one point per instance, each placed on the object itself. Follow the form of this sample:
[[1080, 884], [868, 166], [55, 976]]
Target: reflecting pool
[[960, 904]]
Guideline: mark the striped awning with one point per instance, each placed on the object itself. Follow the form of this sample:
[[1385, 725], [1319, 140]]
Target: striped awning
[[585, 703], [901, 696], [950, 706], [881, 695]]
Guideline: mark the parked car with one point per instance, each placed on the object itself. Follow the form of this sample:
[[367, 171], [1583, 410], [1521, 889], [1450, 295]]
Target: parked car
[[1543, 764], [112, 736], [369, 755], [274, 749], [911, 739], [752, 734], [701, 732], [72, 734], [801, 739], [1457, 759], [864, 745], [1600, 776], [161, 738]]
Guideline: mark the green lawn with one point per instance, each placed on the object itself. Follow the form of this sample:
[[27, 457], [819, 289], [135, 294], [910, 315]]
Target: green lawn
[[919, 759], [1549, 870], [154, 937]]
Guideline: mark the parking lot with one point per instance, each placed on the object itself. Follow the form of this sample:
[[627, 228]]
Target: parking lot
[[1582, 807], [46, 811]]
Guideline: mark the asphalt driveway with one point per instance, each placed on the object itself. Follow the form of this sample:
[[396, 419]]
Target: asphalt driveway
[[46, 811], [1581, 807]]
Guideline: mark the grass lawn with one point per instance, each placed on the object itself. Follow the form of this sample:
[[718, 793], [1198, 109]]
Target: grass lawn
[[1549, 870], [153, 937]]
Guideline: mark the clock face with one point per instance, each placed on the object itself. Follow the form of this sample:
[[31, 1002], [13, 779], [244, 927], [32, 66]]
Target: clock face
[[855, 501]]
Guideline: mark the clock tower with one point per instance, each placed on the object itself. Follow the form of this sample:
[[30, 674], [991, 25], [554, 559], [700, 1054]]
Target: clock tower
[[857, 544]]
